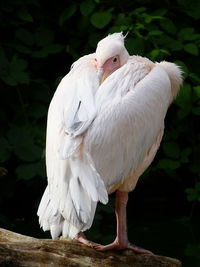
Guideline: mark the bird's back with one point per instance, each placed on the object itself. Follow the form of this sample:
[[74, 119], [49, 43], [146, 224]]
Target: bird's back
[[129, 124]]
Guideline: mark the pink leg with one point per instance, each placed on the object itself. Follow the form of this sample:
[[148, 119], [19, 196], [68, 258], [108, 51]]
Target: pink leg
[[121, 240]]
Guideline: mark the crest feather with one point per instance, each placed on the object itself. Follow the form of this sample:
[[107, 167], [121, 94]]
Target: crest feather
[[110, 46]]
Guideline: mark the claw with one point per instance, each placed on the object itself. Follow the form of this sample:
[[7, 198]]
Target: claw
[[139, 250]]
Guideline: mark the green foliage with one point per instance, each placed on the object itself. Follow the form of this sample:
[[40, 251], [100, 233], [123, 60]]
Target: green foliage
[[86, 7], [67, 14], [5, 150], [40, 42], [101, 19], [193, 194], [193, 251]]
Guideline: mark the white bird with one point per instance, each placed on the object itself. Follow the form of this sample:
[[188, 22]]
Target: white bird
[[105, 125]]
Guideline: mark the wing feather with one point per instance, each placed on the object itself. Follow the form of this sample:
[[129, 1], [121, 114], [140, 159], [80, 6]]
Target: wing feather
[[134, 118], [65, 207], [81, 111]]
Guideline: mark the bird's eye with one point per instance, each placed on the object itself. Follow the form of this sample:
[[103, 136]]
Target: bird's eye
[[114, 59]]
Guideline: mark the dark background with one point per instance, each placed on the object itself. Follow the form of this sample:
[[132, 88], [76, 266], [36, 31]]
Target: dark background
[[39, 42]]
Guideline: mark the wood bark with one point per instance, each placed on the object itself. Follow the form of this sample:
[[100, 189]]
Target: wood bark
[[18, 250]]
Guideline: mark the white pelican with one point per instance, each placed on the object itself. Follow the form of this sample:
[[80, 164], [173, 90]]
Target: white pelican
[[105, 125]]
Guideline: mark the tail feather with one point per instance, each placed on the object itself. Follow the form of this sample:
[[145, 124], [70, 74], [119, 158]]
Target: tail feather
[[80, 200], [43, 203], [99, 184], [89, 178], [69, 230], [47, 216], [68, 206], [175, 75], [56, 229]]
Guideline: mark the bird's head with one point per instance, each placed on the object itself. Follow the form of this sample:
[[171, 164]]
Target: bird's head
[[111, 54]]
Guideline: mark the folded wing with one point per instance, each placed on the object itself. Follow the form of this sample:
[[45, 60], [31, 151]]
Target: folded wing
[[67, 205], [128, 121]]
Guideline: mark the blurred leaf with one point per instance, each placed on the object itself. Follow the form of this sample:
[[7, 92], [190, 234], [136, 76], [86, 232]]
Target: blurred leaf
[[41, 92], [4, 60], [185, 154], [168, 164], [150, 18], [175, 45], [30, 170], [185, 31], [101, 19], [41, 169], [154, 54], [17, 68], [5, 149], [194, 77], [4, 66], [67, 14], [188, 34], [118, 29], [23, 141], [197, 90], [94, 38], [123, 20], [21, 77], [171, 149], [14, 71], [168, 25], [25, 15], [196, 111], [135, 46], [155, 33], [160, 12], [18, 64], [184, 111], [157, 52], [86, 7], [23, 49], [139, 10], [193, 251], [184, 96], [37, 110], [193, 194], [46, 50], [191, 7], [28, 151], [4, 220], [53, 48], [26, 171], [40, 53], [192, 37], [25, 36], [44, 36], [192, 49]]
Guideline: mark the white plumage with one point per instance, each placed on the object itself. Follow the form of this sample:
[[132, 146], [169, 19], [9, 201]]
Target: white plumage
[[101, 136]]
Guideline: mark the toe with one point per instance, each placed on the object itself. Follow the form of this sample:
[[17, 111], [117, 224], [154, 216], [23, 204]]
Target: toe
[[139, 250], [105, 248]]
